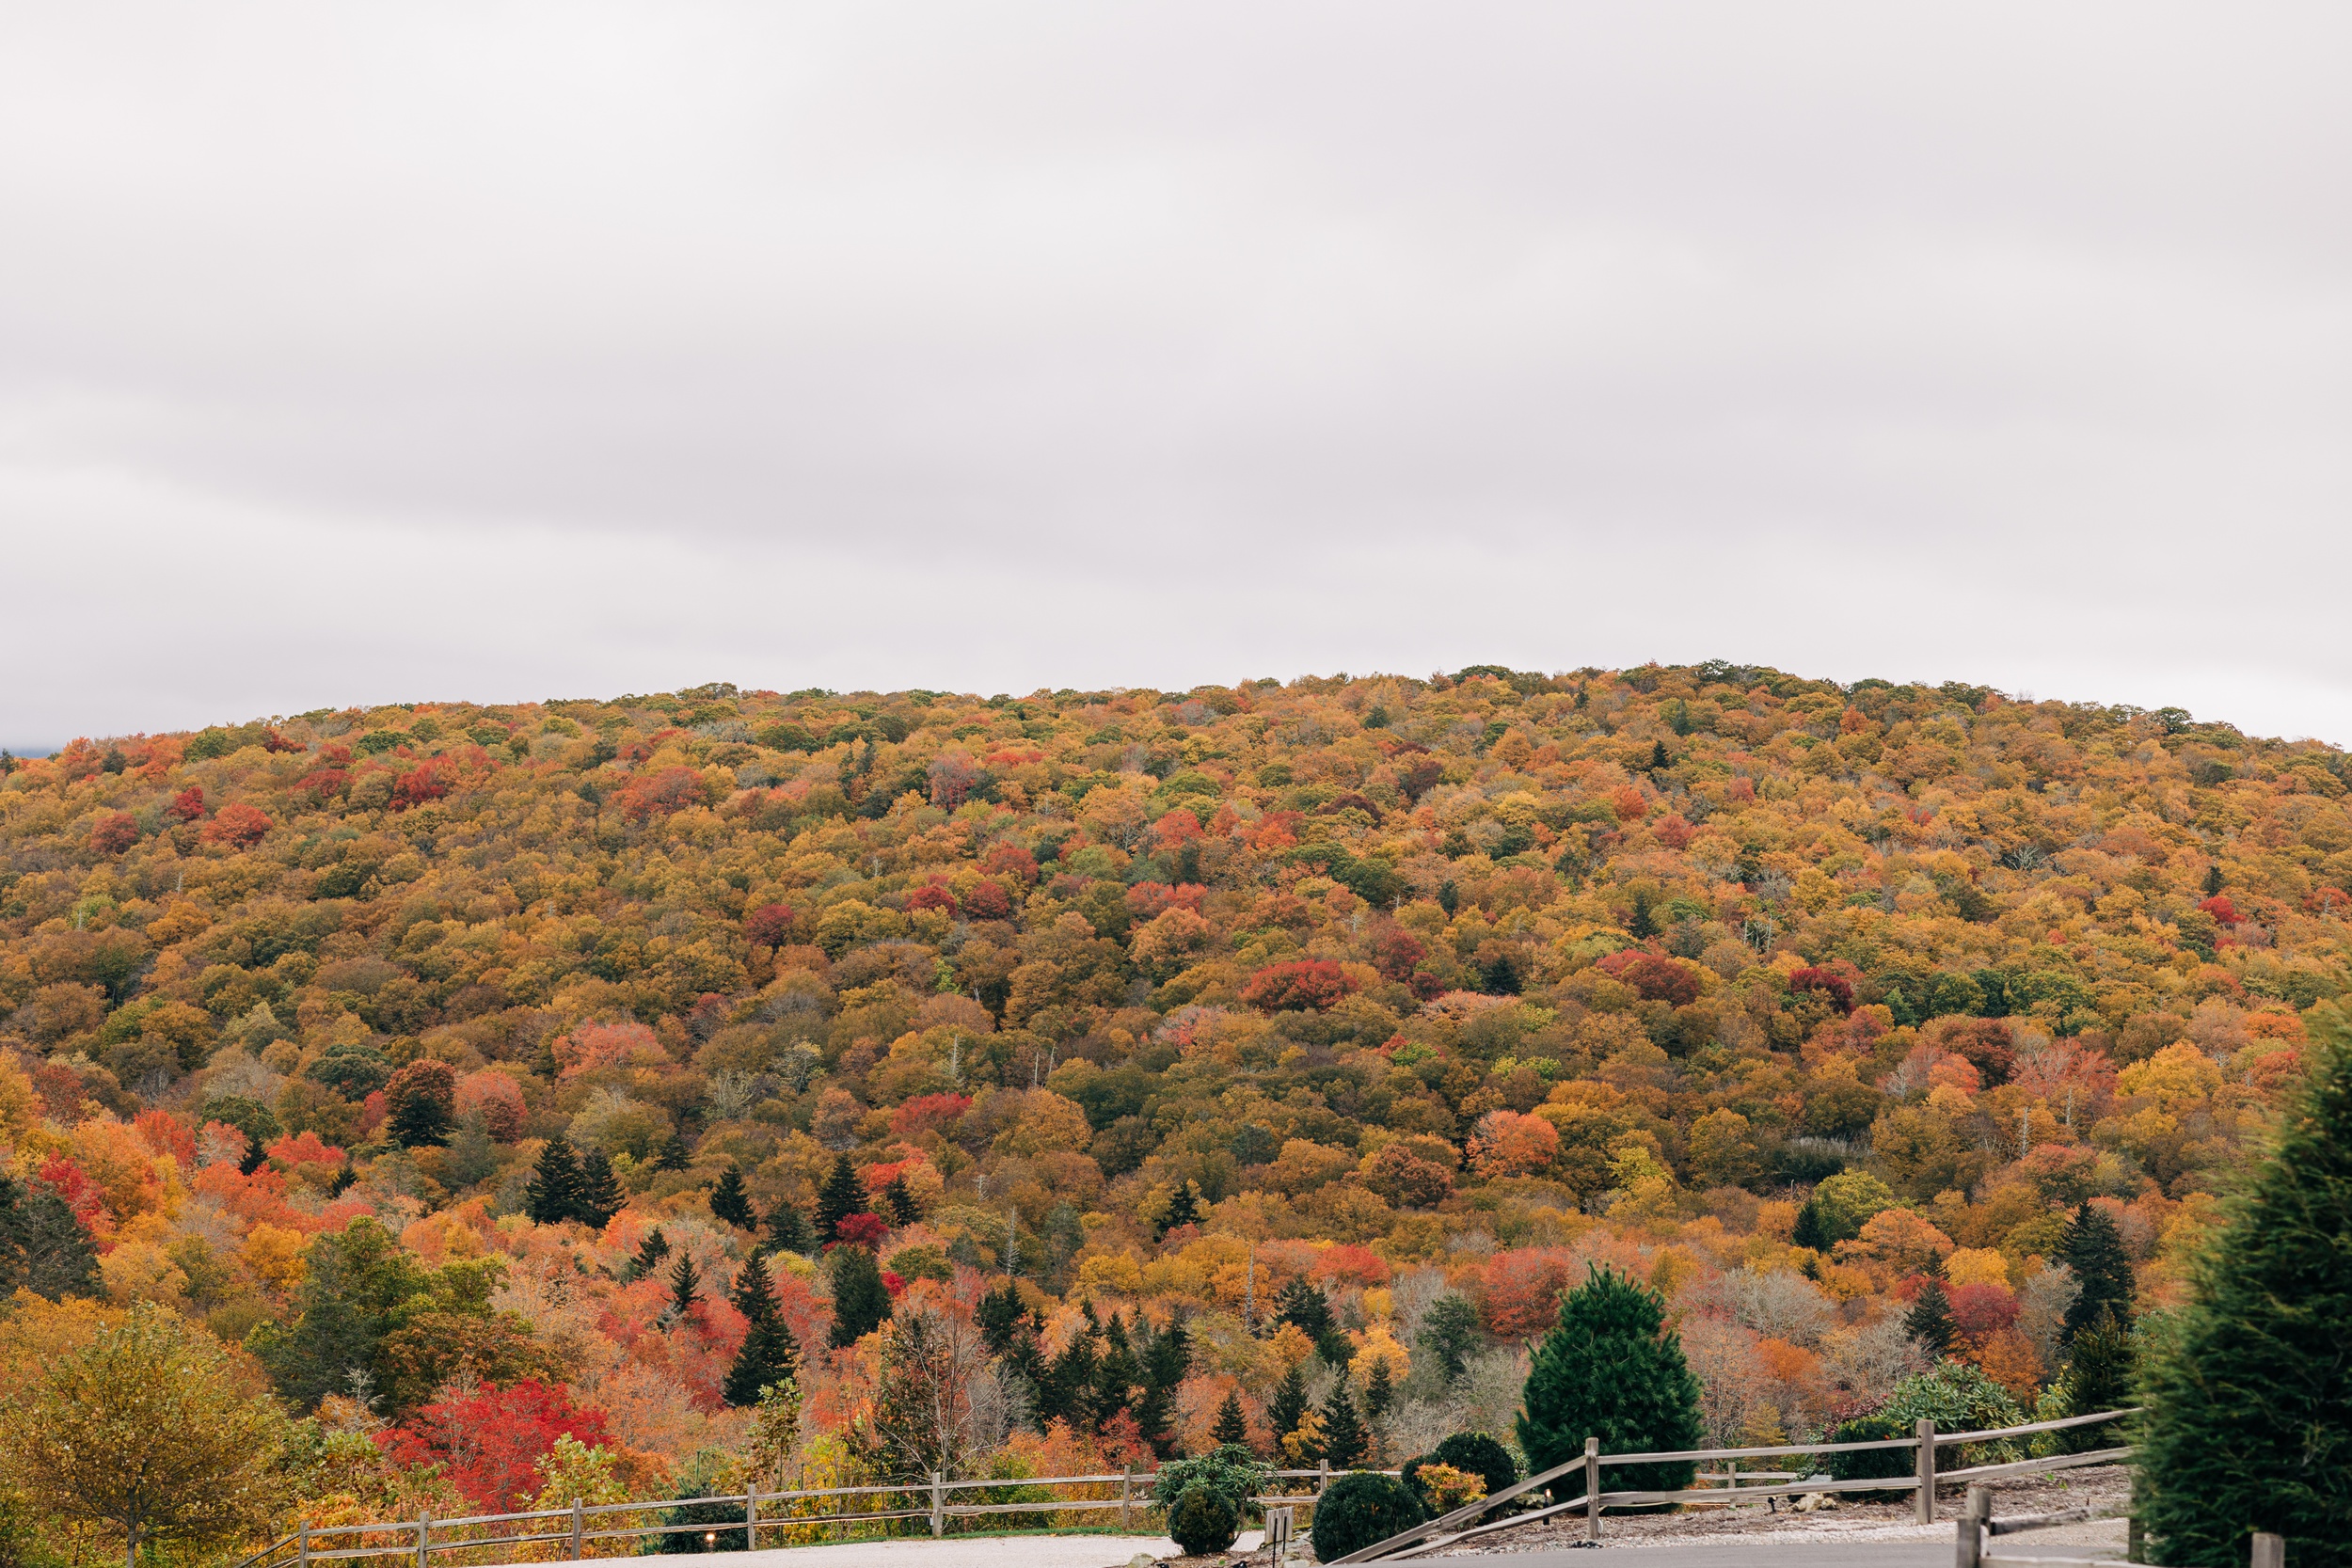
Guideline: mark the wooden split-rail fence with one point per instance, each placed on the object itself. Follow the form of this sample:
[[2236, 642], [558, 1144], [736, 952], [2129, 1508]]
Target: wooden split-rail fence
[[586, 1530], [1979, 1529]]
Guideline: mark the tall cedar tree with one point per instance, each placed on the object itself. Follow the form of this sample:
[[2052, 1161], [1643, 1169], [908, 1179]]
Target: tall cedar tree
[[2094, 1248], [650, 1252], [2100, 1375], [1344, 1438], [861, 1302], [1929, 1319], [787, 1230], [554, 1194], [1289, 1406], [769, 1354], [730, 1204], [1231, 1425], [600, 1195], [684, 1285], [1611, 1369], [2249, 1396], [842, 1196]]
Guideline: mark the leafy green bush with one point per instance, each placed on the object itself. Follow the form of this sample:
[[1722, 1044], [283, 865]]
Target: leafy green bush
[[1204, 1520], [1611, 1369], [1952, 1394], [1360, 1508], [1230, 1470], [1480, 1454]]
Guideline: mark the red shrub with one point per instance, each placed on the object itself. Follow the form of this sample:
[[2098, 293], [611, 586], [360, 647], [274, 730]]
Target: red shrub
[[491, 1441]]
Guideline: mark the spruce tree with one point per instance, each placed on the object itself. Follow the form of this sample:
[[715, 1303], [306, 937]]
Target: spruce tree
[[43, 1248], [1609, 1369], [905, 1209], [1929, 1319], [998, 1316], [2250, 1393], [2094, 1248], [552, 1195], [650, 1252], [675, 1155], [684, 1285], [1449, 1332], [787, 1228], [729, 1204], [1231, 1425], [1182, 1209], [1289, 1406], [600, 1195], [1810, 1231], [2099, 1377], [1379, 1390], [1302, 1304], [769, 1354], [861, 1302], [2213, 879], [1344, 1438], [842, 1196]]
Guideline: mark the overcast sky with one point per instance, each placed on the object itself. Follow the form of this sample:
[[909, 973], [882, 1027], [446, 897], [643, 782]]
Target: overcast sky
[[387, 353]]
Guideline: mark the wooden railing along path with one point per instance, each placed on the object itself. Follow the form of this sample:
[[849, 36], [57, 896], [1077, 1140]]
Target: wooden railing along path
[[571, 1533]]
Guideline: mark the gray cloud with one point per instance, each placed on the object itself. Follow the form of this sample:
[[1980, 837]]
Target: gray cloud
[[355, 355]]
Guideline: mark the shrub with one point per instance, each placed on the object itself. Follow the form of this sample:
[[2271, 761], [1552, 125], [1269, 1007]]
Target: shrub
[[1441, 1487], [1360, 1508], [1611, 1369], [1204, 1520], [1230, 1470], [1481, 1456]]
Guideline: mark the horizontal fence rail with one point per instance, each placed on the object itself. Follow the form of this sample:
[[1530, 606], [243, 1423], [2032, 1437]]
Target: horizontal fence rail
[[573, 1531]]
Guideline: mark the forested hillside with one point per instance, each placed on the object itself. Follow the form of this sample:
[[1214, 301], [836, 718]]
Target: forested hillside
[[1169, 1055]]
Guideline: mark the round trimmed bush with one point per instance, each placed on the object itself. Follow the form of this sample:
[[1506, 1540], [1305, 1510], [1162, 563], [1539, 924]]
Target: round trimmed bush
[[1360, 1507], [1481, 1455], [1203, 1521]]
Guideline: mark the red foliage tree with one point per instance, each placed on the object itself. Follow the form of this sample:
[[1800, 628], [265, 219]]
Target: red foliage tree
[[1631, 803], [928, 1113], [187, 805], [1658, 978], [768, 925], [1406, 1179], [428, 781], [1834, 986], [1009, 860], [1519, 1290], [651, 795], [1396, 952], [2219, 907], [491, 1441], [239, 826], [865, 1231], [987, 901], [1300, 985], [1673, 832], [114, 832], [1980, 1312], [933, 895]]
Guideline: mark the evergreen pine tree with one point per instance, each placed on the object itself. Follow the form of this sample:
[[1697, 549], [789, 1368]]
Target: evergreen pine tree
[[905, 1209], [650, 1252], [1182, 1209], [769, 1354], [998, 1316], [552, 1195], [1449, 1331], [2213, 879], [2094, 1248], [2249, 1390], [675, 1155], [600, 1195], [2099, 1376], [1609, 1369], [1379, 1390], [43, 1248], [1167, 1357], [729, 1204], [1929, 1321], [1231, 1425], [1289, 1406], [684, 1285], [1659, 761], [861, 1302], [1344, 1438], [1809, 1231], [787, 1228], [842, 1196], [1302, 1304]]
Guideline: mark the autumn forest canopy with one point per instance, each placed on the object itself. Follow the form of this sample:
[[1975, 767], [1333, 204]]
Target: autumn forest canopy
[[505, 1095]]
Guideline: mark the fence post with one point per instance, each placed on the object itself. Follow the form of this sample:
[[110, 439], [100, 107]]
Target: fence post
[[424, 1529], [2270, 1551], [575, 1529], [1973, 1516], [1925, 1432], [1126, 1493], [1323, 1477], [1592, 1489], [302, 1546], [751, 1516], [939, 1505]]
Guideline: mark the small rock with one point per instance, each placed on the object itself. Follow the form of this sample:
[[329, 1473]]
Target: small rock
[[1142, 1560], [1817, 1502]]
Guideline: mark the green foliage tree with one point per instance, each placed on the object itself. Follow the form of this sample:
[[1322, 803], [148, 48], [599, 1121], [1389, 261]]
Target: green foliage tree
[[1201, 1522], [600, 1195], [1208, 1498], [842, 1196], [43, 1248], [552, 1195], [144, 1431], [1449, 1332], [1929, 1319], [788, 1230], [1609, 1369], [1380, 1391], [421, 1104], [730, 1204], [2093, 1249], [686, 1280], [769, 1355], [1231, 1429], [2249, 1389], [1345, 1440], [861, 1302], [1289, 1406], [2100, 1377]]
